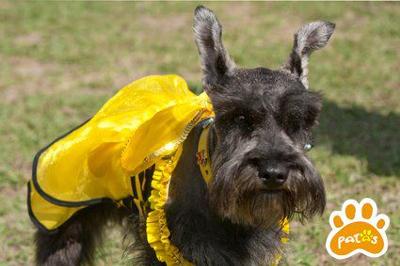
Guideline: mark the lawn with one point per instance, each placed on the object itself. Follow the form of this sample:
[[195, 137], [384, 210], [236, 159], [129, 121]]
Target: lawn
[[59, 62]]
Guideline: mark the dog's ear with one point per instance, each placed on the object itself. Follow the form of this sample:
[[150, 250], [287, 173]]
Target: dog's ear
[[215, 61], [310, 37]]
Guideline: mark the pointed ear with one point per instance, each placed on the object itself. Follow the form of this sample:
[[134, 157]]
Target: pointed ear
[[310, 37], [215, 61]]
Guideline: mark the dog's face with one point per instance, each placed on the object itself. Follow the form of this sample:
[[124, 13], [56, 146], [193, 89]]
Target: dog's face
[[263, 125]]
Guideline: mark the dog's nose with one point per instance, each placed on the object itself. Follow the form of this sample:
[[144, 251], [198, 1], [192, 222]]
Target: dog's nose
[[274, 176]]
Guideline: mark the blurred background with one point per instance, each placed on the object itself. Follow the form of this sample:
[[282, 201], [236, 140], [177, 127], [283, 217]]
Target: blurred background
[[59, 62]]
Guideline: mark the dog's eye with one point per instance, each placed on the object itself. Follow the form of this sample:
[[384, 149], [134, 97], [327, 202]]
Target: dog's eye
[[243, 122], [308, 146], [241, 119]]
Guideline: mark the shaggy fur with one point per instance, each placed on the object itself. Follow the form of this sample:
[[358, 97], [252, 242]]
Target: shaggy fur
[[261, 173]]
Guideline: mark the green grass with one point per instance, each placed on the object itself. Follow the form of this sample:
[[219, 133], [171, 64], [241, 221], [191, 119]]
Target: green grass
[[59, 62]]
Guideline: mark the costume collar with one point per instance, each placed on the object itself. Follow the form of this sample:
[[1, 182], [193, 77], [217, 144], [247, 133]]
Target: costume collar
[[203, 152]]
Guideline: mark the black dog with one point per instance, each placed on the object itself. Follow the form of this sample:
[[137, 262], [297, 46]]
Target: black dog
[[261, 175]]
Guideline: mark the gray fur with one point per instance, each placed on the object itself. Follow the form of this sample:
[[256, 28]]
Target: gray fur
[[215, 61], [310, 37]]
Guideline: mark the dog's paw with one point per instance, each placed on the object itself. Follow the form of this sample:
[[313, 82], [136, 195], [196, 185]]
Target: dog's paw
[[357, 228]]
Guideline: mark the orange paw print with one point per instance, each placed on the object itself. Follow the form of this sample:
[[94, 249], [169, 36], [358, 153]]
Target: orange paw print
[[357, 228]]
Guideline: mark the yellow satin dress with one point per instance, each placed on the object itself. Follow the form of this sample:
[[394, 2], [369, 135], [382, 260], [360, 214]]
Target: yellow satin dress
[[143, 122]]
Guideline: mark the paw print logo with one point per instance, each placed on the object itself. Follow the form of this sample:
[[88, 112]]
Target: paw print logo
[[357, 228]]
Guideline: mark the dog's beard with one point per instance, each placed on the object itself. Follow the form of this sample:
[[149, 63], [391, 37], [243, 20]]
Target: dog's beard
[[237, 194]]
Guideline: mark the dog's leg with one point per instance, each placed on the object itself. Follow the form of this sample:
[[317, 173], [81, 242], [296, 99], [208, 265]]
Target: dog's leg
[[75, 242], [139, 251]]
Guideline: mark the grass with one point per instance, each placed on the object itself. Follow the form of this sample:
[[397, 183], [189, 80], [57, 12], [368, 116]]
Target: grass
[[59, 62]]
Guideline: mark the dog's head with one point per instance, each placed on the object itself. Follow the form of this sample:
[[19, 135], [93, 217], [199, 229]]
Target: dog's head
[[263, 128]]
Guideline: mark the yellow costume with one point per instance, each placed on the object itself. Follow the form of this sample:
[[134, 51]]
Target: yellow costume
[[143, 125]]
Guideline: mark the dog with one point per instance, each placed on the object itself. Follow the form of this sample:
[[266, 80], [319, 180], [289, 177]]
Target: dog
[[261, 175]]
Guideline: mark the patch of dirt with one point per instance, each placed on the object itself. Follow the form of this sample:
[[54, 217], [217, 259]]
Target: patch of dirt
[[29, 68], [9, 192], [29, 39], [28, 77], [5, 5]]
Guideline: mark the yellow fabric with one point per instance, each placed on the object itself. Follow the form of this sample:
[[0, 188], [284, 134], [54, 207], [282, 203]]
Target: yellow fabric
[[203, 159], [144, 121], [49, 215]]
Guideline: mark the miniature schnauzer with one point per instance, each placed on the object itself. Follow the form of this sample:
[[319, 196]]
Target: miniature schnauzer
[[261, 174]]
